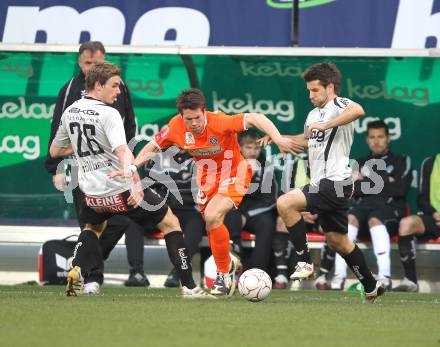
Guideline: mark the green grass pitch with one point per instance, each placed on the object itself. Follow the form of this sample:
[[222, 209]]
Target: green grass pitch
[[42, 316]]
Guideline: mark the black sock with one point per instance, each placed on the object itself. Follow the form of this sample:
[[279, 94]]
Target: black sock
[[88, 256], [179, 258], [299, 239], [407, 250], [327, 260], [280, 250], [356, 261]]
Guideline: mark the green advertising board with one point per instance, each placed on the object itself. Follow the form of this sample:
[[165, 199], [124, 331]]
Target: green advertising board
[[402, 91]]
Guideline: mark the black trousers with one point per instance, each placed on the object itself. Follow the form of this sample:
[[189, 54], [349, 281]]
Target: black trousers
[[193, 228], [263, 226]]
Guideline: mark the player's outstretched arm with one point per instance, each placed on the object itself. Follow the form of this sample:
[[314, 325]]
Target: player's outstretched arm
[[350, 114], [146, 153], [57, 152], [129, 163], [260, 121], [300, 139]]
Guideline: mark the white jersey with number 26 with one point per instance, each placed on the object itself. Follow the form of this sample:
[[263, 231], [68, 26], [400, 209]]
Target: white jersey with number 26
[[94, 129]]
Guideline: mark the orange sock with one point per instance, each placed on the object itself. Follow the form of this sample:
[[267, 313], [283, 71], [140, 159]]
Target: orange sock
[[219, 242]]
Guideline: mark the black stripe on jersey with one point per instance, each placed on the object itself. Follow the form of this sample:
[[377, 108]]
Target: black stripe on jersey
[[327, 148], [337, 103]]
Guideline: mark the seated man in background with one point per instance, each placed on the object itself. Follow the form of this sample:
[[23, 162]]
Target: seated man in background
[[426, 225], [375, 209], [179, 172], [256, 213]]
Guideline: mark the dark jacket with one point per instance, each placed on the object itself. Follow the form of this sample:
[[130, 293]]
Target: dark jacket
[[263, 197], [423, 199], [179, 179], [398, 167], [75, 90]]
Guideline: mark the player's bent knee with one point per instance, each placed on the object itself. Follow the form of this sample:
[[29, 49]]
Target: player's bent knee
[[340, 243], [352, 220], [169, 223], [407, 226], [373, 222], [212, 219], [285, 204], [96, 228]]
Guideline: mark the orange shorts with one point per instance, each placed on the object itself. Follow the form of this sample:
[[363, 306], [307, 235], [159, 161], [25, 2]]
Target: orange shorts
[[233, 188]]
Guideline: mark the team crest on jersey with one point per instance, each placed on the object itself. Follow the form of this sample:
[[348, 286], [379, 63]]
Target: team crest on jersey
[[344, 101], [213, 140], [390, 169], [189, 138]]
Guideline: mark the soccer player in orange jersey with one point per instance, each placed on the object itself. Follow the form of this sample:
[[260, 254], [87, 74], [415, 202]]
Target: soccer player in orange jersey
[[223, 176]]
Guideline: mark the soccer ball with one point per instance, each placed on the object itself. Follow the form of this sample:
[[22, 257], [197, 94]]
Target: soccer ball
[[254, 285]]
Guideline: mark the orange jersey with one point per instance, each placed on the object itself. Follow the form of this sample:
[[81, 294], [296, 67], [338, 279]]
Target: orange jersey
[[216, 150]]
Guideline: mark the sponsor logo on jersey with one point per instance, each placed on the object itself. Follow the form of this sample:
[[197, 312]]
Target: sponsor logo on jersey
[[113, 203], [317, 135], [87, 112], [205, 151], [161, 134]]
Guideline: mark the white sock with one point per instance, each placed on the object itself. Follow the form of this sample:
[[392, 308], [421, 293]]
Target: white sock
[[381, 246], [340, 264]]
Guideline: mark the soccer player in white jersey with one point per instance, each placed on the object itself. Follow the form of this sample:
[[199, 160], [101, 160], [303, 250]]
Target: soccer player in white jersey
[[328, 134], [94, 132]]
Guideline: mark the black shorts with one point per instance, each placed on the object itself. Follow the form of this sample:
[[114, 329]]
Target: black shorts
[[389, 215], [432, 231], [95, 210], [330, 201]]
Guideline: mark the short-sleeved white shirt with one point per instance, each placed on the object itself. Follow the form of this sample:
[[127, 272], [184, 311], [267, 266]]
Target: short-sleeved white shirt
[[94, 129]]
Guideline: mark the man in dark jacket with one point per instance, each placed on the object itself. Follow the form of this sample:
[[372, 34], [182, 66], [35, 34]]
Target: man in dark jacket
[[425, 225], [90, 53], [381, 185]]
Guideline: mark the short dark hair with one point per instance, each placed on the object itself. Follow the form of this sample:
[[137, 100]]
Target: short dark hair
[[192, 99], [250, 135], [101, 72], [378, 124], [325, 73], [92, 46]]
